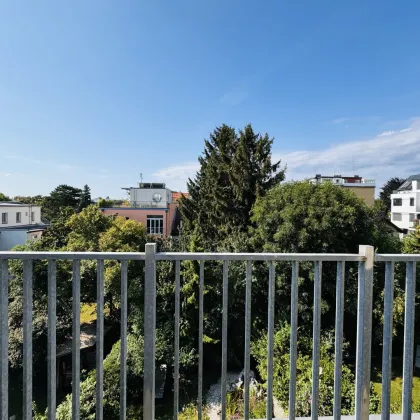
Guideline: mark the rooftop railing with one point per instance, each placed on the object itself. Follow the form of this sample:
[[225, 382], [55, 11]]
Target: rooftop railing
[[365, 260]]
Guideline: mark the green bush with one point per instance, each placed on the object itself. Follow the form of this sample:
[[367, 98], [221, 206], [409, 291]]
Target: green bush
[[111, 399], [304, 374]]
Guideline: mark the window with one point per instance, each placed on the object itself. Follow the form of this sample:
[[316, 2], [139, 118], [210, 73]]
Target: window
[[396, 217], [18, 217], [411, 217], [397, 201], [155, 225], [411, 201], [4, 218], [33, 216]]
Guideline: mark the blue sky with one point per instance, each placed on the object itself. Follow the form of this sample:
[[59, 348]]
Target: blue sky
[[98, 91]]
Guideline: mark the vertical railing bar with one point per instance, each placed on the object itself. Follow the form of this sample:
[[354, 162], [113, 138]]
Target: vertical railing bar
[[4, 340], [316, 339], [200, 341], [149, 333], [409, 315], [224, 338], [52, 325], [270, 340], [364, 333], [99, 339], [76, 342], [248, 284], [387, 340], [177, 320], [293, 340], [338, 347], [27, 339], [123, 353]]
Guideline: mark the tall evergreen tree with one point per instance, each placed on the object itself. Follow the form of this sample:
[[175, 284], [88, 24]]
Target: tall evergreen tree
[[386, 191], [235, 169], [85, 198]]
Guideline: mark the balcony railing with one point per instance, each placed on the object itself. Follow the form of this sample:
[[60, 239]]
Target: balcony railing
[[149, 204], [365, 260]]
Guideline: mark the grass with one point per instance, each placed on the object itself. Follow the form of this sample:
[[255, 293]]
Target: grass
[[396, 392]]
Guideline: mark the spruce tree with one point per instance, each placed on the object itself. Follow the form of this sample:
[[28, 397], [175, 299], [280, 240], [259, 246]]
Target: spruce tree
[[235, 169]]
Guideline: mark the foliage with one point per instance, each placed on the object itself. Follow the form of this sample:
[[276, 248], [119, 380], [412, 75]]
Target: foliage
[[85, 198], [190, 412], [235, 405], [61, 196], [86, 228], [111, 401], [36, 200], [304, 373], [56, 236], [305, 217], [411, 245], [235, 169], [4, 197], [396, 393], [40, 308], [109, 202], [391, 185]]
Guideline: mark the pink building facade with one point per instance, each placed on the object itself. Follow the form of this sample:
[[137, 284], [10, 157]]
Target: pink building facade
[[158, 221]]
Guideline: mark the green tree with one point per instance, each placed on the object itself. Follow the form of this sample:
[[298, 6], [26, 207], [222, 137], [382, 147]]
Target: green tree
[[304, 373], [62, 196], [40, 307], [85, 198], [36, 200], [4, 197], [391, 185], [86, 228], [322, 218], [235, 169]]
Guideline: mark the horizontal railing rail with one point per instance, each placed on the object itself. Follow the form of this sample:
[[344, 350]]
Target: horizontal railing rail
[[365, 259]]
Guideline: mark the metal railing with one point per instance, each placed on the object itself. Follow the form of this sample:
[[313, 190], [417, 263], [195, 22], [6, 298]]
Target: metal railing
[[365, 259]]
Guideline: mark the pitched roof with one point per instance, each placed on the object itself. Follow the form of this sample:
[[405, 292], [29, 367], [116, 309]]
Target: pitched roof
[[177, 195]]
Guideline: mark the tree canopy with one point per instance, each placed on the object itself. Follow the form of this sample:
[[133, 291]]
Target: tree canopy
[[391, 185], [235, 169]]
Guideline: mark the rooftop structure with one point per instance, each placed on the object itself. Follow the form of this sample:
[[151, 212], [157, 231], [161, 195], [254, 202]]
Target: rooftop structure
[[363, 187]]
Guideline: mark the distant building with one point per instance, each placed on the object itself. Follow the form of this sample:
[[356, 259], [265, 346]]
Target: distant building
[[153, 205], [405, 204], [364, 188], [19, 223]]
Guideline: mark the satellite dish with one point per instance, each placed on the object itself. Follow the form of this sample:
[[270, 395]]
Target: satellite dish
[[157, 197]]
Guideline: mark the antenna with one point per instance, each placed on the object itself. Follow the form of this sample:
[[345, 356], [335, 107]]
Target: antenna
[[141, 178]]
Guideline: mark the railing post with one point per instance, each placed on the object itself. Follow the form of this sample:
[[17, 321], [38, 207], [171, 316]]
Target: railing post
[[364, 331], [149, 333]]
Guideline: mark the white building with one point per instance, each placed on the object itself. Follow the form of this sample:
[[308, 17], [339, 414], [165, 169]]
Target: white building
[[149, 195], [19, 223], [405, 204]]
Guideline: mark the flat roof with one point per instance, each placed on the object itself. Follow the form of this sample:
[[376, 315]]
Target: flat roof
[[14, 204]]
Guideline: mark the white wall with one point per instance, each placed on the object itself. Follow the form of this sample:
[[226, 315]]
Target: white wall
[[405, 209], [25, 214], [144, 196], [11, 238]]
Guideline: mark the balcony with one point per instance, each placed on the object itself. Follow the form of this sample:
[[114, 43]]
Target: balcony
[[149, 204], [365, 264]]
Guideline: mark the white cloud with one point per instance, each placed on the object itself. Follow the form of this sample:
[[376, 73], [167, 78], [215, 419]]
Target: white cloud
[[340, 120], [394, 153], [176, 176]]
